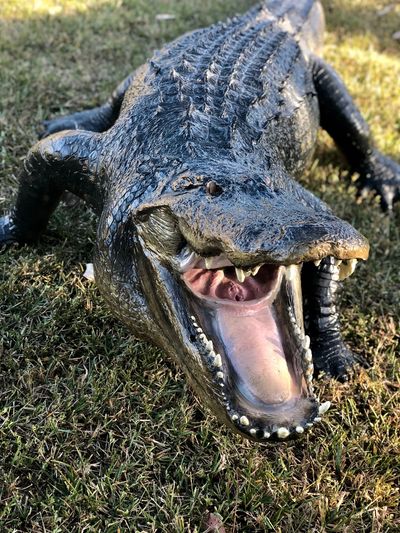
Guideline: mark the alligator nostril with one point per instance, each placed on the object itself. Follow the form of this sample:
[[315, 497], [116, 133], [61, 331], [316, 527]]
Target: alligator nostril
[[213, 188]]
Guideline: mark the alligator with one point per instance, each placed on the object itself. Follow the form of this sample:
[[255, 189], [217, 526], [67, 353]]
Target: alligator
[[207, 244]]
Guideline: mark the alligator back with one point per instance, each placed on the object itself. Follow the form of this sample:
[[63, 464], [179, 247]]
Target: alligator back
[[225, 90]]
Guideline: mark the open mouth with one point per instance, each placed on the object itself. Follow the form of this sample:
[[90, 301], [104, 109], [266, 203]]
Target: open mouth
[[248, 327]]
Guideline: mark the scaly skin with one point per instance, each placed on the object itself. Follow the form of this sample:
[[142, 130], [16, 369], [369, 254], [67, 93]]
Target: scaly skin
[[199, 150]]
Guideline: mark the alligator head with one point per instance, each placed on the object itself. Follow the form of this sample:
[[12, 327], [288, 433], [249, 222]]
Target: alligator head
[[208, 265]]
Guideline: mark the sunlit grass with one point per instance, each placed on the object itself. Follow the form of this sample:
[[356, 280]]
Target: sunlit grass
[[99, 431]]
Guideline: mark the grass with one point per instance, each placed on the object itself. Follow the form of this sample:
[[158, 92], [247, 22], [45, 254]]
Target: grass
[[99, 432]]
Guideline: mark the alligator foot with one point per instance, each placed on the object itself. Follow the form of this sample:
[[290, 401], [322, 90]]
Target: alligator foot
[[337, 363], [90, 120], [381, 176]]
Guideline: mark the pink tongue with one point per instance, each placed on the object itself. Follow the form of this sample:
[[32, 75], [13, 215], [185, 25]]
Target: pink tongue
[[223, 284], [254, 348]]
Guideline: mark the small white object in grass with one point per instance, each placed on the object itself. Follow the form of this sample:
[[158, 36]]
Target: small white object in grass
[[396, 36], [165, 16], [89, 272], [324, 407], [386, 10]]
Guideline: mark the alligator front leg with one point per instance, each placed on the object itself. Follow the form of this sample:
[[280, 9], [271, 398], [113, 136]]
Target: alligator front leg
[[321, 293], [98, 119], [344, 122], [63, 162]]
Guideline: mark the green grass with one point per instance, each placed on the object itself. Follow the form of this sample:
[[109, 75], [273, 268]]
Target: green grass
[[99, 432]]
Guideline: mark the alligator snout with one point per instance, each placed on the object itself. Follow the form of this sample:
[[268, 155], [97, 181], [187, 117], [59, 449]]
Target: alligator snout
[[266, 234]]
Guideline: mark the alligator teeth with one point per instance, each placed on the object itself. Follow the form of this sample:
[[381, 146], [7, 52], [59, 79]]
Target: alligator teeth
[[347, 268], [256, 270], [187, 258], [253, 431], [283, 433], [324, 407], [308, 356], [240, 274], [317, 419], [291, 272], [266, 435], [244, 421], [220, 375], [217, 361], [299, 430], [306, 342], [317, 263], [209, 262], [210, 346], [235, 417]]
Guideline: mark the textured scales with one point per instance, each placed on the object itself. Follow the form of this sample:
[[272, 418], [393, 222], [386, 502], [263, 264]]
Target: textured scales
[[207, 246]]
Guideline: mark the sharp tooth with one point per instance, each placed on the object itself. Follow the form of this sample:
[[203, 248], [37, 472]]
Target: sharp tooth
[[283, 433], [244, 421], [309, 425], [308, 356], [317, 263], [306, 342], [220, 375], [256, 270], [193, 318], [324, 407], [234, 417], [317, 419], [217, 361], [240, 275], [291, 272], [248, 273], [347, 268], [299, 430], [210, 346], [208, 261], [338, 262], [266, 435], [253, 431], [203, 338]]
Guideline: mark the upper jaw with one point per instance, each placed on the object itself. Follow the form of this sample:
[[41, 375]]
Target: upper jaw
[[286, 242]]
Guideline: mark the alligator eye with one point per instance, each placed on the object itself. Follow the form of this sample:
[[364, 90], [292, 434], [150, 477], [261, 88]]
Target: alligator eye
[[213, 188]]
